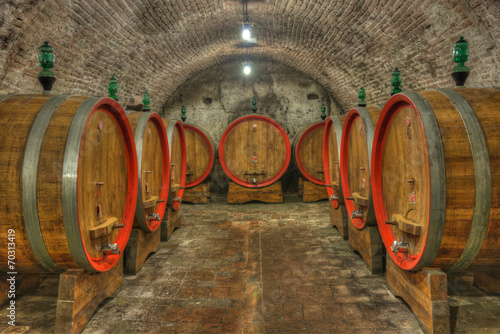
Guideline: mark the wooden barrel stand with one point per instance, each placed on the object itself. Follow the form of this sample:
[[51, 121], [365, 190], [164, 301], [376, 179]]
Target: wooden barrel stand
[[198, 194], [139, 246], [80, 294], [171, 221], [368, 243], [311, 192], [339, 219], [426, 292], [239, 195]]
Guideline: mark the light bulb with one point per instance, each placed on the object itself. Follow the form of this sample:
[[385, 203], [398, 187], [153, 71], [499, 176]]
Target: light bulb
[[247, 69], [246, 34]]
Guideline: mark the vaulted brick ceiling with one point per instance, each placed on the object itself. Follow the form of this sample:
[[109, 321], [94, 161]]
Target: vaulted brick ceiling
[[159, 44]]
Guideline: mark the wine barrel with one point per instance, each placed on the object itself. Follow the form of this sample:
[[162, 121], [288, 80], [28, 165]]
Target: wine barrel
[[332, 137], [254, 151], [153, 162], [200, 154], [436, 179], [177, 148], [355, 157], [307, 146], [69, 189]]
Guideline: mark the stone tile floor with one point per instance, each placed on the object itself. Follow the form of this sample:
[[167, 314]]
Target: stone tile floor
[[257, 268]]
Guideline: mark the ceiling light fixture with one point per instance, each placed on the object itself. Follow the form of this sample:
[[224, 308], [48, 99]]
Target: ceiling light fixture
[[246, 30], [247, 68]]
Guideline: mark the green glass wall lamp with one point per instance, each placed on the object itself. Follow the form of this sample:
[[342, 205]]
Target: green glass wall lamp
[[146, 100], [254, 105], [460, 55], [396, 82], [46, 61], [323, 112], [361, 97], [183, 113], [113, 88]]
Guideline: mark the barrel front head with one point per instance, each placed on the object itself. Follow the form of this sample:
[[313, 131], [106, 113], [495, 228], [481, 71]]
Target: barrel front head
[[355, 157], [409, 187], [254, 151], [200, 154], [332, 137], [178, 162], [307, 151], [153, 161]]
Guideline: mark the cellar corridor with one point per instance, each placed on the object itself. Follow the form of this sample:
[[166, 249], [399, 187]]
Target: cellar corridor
[[258, 268]]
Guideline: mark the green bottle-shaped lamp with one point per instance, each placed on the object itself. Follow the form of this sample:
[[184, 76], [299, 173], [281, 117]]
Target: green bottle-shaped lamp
[[113, 88], [323, 112], [396, 82], [183, 113], [254, 104], [361, 97], [460, 55], [46, 61], [145, 102]]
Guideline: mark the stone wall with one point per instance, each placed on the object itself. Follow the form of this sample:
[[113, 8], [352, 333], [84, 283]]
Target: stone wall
[[218, 96]]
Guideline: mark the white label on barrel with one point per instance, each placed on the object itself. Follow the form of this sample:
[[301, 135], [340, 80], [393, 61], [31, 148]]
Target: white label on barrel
[[363, 183], [413, 198]]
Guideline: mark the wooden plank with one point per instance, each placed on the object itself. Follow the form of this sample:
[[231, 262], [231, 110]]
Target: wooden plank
[[360, 199], [426, 292], [103, 229], [171, 221], [313, 192], [198, 194], [139, 246], [254, 172], [339, 219], [81, 293]]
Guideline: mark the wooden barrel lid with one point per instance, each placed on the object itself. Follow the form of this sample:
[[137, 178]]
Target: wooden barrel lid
[[332, 138], [178, 154], [307, 148], [153, 161], [431, 177], [355, 158], [200, 154], [254, 151]]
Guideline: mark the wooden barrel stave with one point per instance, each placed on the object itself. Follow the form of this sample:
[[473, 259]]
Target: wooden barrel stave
[[59, 232], [307, 146], [457, 218], [332, 138], [355, 163], [201, 152], [153, 162], [245, 155], [178, 155]]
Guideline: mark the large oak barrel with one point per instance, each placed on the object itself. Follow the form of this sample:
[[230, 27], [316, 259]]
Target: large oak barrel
[[177, 147], [200, 154], [332, 137], [254, 151], [307, 148], [153, 162], [436, 179], [355, 157], [69, 181]]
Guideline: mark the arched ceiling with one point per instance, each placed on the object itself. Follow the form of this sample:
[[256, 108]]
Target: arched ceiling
[[159, 44]]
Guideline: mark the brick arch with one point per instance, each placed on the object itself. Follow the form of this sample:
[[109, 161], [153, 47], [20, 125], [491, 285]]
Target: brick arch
[[342, 45]]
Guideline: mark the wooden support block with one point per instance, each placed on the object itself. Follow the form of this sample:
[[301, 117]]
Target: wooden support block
[[103, 229], [313, 192], [360, 199], [23, 283], [300, 191], [149, 203], [239, 195], [406, 225], [368, 243], [171, 220], [80, 293], [426, 292], [339, 219], [139, 246], [488, 281], [198, 194]]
